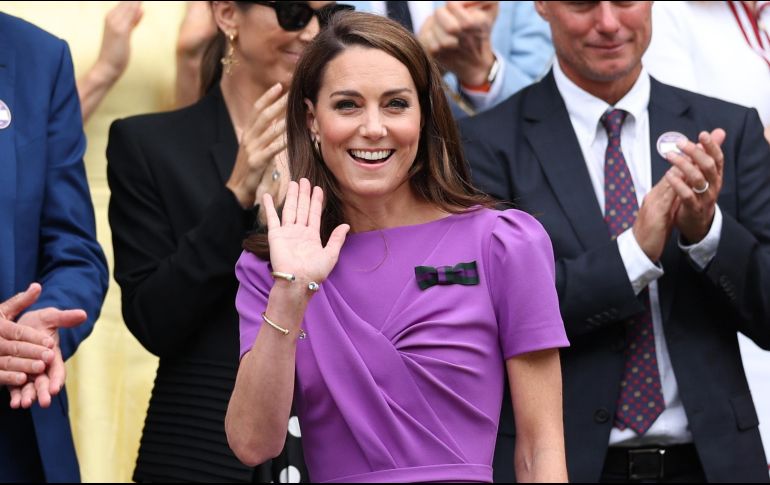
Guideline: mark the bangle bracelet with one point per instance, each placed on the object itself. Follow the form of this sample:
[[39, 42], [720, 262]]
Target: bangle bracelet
[[284, 331], [312, 286], [274, 325], [283, 276]]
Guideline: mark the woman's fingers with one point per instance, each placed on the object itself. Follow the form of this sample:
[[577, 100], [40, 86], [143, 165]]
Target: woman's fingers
[[303, 202], [276, 131], [336, 240], [264, 116], [273, 222], [267, 99], [316, 208]]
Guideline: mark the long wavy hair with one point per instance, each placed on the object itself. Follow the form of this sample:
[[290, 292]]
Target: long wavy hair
[[439, 175]]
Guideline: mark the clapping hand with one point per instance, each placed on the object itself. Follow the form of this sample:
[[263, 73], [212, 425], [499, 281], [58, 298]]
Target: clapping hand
[[458, 36], [23, 350], [264, 137], [697, 180], [48, 382]]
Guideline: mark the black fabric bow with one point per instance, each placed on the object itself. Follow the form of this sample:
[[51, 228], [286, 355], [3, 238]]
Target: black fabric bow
[[460, 274]]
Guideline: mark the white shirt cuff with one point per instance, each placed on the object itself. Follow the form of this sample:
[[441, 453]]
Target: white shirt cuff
[[641, 271], [704, 251], [481, 100]]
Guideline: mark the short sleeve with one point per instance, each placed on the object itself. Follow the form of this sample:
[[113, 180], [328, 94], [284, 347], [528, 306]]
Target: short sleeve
[[522, 285], [251, 300]]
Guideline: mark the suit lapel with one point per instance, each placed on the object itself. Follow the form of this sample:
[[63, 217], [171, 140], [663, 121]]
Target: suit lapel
[[668, 112], [7, 171], [552, 137], [225, 150]]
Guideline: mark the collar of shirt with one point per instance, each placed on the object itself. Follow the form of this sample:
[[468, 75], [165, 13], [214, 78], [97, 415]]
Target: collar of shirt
[[585, 111]]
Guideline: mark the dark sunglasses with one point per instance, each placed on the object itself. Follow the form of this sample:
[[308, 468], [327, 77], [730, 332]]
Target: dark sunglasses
[[293, 16]]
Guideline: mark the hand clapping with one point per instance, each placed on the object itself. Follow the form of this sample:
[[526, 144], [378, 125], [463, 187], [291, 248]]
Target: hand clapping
[[697, 180], [458, 36], [263, 138], [31, 363], [23, 350], [685, 198]]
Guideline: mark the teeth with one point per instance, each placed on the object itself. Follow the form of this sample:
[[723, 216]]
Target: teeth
[[368, 155]]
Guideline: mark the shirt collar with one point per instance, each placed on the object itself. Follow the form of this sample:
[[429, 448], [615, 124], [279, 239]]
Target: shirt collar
[[585, 109]]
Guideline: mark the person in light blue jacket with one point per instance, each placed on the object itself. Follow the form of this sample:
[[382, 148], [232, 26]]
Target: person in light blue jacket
[[489, 50]]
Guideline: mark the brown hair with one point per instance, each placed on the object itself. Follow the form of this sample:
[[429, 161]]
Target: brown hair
[[439, 174], [211, 64]]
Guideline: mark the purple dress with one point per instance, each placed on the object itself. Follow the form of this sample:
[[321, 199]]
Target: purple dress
[[397, 383]]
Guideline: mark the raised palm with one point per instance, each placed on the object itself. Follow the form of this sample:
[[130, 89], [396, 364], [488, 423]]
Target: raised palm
[[295, 240]]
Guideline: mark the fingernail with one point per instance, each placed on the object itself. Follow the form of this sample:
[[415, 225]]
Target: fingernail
[[47, 355], [276, 87], [681, 144]]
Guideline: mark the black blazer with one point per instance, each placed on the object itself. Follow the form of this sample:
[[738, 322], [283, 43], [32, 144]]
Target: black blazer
[[177, 233], [526, 151]]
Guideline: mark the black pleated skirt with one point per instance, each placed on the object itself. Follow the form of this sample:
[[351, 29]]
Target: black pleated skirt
[[184, 435]]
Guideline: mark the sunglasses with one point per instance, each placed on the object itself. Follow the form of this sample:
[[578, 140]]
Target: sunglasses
[[293, 16]]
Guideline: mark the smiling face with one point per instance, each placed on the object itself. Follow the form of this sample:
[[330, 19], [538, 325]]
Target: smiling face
[[264, 49], [599, 43], [367, 120]]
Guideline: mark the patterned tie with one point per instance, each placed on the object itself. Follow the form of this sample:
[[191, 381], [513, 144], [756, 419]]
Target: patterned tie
[[641, 399]]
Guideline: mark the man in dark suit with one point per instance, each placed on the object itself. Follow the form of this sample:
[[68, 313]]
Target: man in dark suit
[[48, 235], [652, 294]]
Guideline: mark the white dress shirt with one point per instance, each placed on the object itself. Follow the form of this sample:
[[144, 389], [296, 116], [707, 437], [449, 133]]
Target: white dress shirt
[[585, 111]]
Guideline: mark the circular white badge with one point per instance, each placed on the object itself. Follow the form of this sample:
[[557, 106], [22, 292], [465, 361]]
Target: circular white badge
[[667, 142], [5, 115]]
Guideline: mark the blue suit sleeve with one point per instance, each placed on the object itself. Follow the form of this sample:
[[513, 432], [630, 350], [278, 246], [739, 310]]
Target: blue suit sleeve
[[72, 268]]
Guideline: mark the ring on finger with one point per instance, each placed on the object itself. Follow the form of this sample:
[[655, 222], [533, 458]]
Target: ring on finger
[[701, 190]]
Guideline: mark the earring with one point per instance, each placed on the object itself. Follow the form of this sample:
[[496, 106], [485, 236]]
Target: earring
[[229, 60], [317, 146]]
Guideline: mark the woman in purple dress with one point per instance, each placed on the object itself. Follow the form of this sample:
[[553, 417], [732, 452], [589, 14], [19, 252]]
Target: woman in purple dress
[[388, 299]]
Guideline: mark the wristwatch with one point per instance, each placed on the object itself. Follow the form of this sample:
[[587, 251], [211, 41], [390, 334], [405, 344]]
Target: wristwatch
[[491, 76]]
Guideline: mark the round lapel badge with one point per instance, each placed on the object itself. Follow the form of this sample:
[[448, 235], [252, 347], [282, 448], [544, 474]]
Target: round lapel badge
[[667, 143], [5, 115]]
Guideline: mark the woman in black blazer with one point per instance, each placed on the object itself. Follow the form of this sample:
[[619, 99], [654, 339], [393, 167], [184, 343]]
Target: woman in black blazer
[[183, 195]]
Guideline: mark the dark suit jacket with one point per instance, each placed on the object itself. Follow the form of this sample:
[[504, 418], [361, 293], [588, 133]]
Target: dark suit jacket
[[47, 229], [177, 233], [525, 151]]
